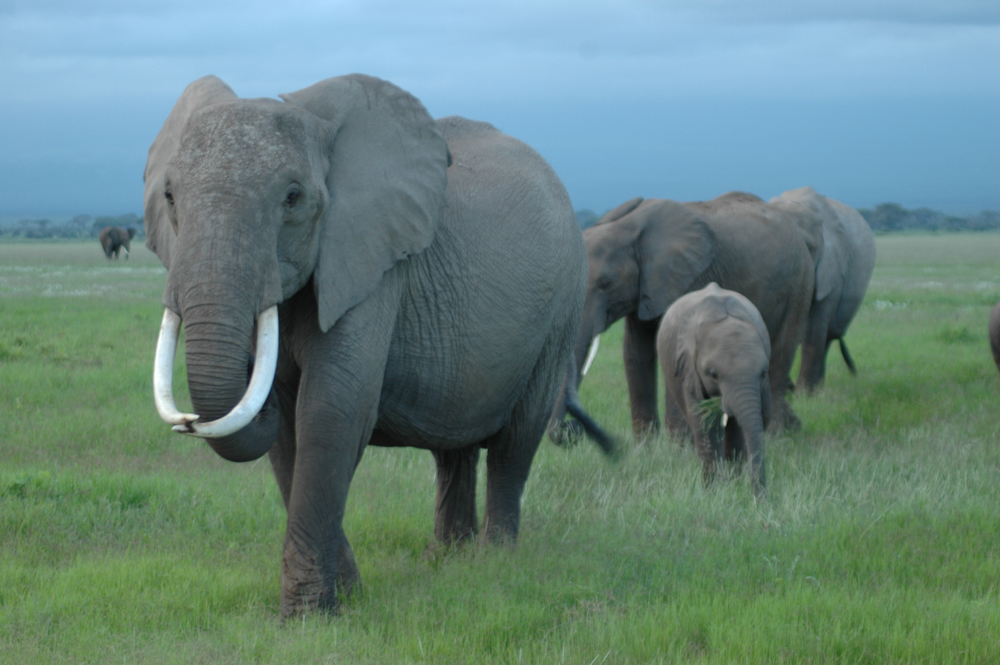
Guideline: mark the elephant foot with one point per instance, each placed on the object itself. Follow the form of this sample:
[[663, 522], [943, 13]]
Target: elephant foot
[[303, 584], [785, 419], [645, 429]]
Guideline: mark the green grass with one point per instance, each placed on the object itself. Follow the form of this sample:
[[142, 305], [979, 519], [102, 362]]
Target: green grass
[[879, 540]]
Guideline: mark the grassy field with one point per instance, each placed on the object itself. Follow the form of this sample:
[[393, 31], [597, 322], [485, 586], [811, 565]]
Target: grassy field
[[879, 541]]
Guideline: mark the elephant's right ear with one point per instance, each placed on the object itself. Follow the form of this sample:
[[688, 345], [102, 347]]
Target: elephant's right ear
[[160, 232], [674, 248], [387, 179]]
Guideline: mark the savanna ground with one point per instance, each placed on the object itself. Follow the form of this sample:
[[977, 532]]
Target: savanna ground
[[879, 541]]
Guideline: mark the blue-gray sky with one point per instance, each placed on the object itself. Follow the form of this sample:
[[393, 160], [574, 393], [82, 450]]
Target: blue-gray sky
[[866, 100]]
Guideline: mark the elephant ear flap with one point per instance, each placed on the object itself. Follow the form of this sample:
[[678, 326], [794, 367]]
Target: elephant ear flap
[[160, 231], [619, 212], [675, 246], [832, 268], [814, 216], [387, 179], [739, 306], [686, 367]]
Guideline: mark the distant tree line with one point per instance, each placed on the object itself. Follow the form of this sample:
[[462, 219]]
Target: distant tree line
[[81, 226], [883, 218], [889, 218]]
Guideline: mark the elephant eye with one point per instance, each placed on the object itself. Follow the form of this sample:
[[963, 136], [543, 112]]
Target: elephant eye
[[169, 196], [712, 373], [292, 198]]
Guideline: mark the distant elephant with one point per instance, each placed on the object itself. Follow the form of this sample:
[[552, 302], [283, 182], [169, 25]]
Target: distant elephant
[[842, 276], [643, 255], [994, 330], [713, 343], [428, 278], [115, 238]]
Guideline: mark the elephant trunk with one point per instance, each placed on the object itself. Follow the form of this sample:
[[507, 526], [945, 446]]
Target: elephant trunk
[[745, 406], [241, 424]]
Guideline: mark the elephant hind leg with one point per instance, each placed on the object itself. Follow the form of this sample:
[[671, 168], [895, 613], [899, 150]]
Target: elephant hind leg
[[511, 450], [455, 505]]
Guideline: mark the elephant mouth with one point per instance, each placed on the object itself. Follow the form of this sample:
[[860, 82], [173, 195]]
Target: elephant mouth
[[240, 416]]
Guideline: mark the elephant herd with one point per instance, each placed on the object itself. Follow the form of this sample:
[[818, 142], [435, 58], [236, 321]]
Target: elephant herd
[[794, 269], [351, 272]]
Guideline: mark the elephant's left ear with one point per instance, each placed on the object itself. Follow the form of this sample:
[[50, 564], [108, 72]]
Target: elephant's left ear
[[387, 180], [674, 248]]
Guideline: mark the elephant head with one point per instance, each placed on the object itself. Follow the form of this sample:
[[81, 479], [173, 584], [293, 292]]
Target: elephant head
[[249, 201], [714, 343], [643, 255]]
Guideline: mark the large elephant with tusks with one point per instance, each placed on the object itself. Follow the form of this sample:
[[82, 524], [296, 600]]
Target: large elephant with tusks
[[382, 278]]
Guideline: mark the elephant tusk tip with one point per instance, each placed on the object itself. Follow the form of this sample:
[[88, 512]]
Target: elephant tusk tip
[[725, 419], [186, 427]]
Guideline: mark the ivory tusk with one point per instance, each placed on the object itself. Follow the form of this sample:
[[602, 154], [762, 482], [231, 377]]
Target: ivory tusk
[[258, 390], [163, 371], [725, 419], [591, 354]]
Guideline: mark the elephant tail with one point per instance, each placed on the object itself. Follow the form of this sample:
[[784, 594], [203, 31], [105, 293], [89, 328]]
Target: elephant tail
[[847, 357], [606, 442]]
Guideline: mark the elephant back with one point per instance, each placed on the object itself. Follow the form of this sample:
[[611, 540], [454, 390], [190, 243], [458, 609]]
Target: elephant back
[[761, 253]]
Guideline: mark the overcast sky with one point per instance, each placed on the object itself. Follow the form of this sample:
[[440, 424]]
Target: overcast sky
[[866, 100]]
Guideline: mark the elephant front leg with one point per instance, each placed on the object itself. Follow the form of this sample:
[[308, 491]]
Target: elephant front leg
[[282, 453], [707, 446], [335, 414], [639, 355], [317, 562]]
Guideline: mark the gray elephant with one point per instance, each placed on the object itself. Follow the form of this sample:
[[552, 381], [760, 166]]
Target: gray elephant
[[427, 279], [842, 275], [643, 255], [713, 343], [114, 239], [994, 332]]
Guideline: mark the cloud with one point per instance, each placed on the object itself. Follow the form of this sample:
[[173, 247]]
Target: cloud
[[106, 72], [535, 51], [982, 12]]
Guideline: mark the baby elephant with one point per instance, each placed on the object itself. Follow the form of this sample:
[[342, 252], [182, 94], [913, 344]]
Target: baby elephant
[[713, 343]]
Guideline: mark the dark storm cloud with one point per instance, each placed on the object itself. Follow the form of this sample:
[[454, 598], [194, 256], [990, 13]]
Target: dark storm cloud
[[631, 77]]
